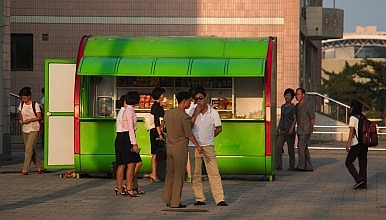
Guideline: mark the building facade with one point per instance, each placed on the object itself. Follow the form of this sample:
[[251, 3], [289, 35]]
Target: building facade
[[366, 43], [52, 29]]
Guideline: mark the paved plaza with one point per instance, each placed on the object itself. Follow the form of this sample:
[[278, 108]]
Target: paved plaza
[[325, 193]]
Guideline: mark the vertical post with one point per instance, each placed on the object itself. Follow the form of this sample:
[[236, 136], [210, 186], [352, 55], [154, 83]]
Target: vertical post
[[5, 60]]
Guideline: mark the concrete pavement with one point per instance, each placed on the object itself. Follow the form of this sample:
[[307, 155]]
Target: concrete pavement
[[325, 193]]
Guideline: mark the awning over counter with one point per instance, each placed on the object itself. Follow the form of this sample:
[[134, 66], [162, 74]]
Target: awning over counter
[[174, 56], [172, 67]]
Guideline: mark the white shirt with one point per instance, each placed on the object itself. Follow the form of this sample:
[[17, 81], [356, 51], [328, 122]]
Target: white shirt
[[204, 126], [28, 113], [354, 124], [119, 119]]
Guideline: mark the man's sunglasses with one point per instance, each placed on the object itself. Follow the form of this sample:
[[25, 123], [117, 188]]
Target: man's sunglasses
[[198, 98]]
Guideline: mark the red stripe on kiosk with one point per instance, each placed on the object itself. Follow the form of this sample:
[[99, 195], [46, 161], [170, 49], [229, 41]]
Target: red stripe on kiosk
[[82, 45]]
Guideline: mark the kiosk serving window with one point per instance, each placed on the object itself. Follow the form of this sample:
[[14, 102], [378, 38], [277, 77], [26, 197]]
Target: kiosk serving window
[[234, 98], [218, 88]]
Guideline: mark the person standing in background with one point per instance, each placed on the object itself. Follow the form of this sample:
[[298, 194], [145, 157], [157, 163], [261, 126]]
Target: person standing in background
[[355, 150], [122, 152], [206, 126], [286, 131], [178, 131], [121, 149], [42, 100], [129, 127], [42, 121], [305, 119], [156, 136], [29, 116]]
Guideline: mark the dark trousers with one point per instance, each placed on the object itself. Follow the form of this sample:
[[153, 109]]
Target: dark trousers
[[361, 153], [304, 157], [281, 139]]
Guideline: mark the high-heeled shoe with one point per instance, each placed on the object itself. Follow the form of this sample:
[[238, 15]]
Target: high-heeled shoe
[[138, 190], [41, 170], [131, 193], [154, 180], [24, 173], [119, 192]]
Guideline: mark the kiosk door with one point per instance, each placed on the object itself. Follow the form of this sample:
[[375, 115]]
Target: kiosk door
[[59, 114]]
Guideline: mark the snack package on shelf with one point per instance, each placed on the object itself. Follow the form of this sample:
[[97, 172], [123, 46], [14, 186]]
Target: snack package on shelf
[[225, 115], [224, 103], [229, 106], [145, 101], [214, 102]]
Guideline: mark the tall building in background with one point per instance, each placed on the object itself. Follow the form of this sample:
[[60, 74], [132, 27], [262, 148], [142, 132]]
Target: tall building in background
[[52, 29]]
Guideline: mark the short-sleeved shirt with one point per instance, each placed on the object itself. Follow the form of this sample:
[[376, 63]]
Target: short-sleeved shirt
[[28, 113], [353, 123], [204, 126], [129, 123], [287, 118], [158, 112], [178, 127], [304, 114], [119, 121]]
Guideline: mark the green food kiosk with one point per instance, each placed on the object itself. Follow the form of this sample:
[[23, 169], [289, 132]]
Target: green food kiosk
[[239, 75]]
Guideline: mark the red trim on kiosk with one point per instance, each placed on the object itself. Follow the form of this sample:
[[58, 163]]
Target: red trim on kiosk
[[77, 97], [268, 104]]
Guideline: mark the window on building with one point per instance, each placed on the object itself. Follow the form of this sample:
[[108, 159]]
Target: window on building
[[370, 52], [21, 52]]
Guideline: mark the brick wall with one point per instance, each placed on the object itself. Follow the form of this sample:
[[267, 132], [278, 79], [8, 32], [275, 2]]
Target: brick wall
[[66, 22]]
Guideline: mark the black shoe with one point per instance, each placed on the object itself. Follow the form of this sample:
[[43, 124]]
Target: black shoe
[[304, 170], [168, 205], [222, 203], [180, 206], [362, 186], [358, 184], [291, 169], [199, 203]]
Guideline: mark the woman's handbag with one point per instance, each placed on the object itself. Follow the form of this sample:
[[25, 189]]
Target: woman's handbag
[[149, 121], [161, 152]]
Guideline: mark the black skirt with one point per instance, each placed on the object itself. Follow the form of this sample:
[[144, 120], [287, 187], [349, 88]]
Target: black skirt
[[123, 153]]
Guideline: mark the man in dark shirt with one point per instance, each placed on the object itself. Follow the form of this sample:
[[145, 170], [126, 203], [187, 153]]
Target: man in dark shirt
[[305, 119]]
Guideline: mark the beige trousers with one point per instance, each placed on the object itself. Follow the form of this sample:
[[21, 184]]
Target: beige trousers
[[29, 153], [209, 159]]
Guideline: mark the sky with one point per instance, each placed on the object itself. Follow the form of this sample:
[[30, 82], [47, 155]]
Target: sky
[[361, 13]]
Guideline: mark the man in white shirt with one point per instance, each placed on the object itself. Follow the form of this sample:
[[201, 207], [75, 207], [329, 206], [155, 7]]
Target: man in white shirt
[[206, 125]]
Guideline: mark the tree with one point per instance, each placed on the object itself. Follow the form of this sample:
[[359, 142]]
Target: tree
[[365, 81]]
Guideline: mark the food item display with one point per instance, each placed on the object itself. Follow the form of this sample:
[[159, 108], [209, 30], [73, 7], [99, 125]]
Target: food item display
[[222, 103], [145, 101], [214, 102]]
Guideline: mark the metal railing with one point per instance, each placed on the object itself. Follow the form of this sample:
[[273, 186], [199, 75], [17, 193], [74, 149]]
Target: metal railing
[[330, 107], [335, 137], [381, 130]]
